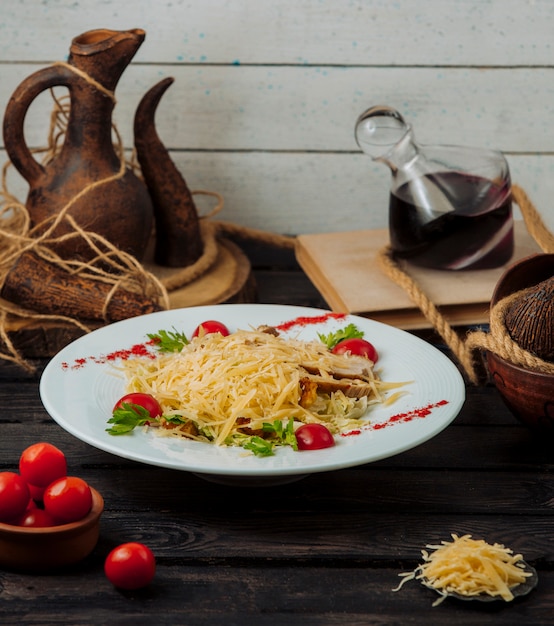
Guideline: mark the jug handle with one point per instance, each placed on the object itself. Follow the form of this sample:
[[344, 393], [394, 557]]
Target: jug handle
[[14, 118]]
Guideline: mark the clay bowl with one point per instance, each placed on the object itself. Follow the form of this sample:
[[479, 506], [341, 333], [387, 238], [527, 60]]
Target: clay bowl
[[529, 395], [46, 549]]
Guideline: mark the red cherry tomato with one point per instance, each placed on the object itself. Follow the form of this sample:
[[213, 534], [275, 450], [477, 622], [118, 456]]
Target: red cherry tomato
[[36, 518], [357, 346], [314, 437], [130, 566], [37, 493], [31, 506], [144, 400], [68, 499], [41, 464], [210, 326], [14, 496]]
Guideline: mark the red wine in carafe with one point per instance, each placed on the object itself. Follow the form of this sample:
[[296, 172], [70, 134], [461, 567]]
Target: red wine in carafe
[[452, 220], [450, 206]]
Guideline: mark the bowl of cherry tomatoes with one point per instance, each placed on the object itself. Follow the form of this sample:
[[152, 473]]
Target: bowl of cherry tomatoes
[[48, 519]]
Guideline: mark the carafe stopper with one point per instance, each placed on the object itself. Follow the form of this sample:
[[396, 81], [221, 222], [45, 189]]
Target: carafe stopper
[[382, 133]]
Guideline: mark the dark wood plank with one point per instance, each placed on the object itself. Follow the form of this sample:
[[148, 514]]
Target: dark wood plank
[[351, 538], [267, 595], [433, 492], [281, 287]]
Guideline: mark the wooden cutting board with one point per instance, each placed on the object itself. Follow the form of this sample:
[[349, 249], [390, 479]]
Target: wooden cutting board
[[343, 267]]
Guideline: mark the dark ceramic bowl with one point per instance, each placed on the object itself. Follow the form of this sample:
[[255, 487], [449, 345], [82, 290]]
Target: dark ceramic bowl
[[46, 549], [528, 394]]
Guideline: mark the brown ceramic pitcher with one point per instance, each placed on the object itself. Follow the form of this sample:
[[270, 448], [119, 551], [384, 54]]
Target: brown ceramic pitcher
[[121, 209]]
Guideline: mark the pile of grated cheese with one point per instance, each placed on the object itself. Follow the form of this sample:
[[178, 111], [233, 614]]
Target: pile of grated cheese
[[248, 374], [469, 567]]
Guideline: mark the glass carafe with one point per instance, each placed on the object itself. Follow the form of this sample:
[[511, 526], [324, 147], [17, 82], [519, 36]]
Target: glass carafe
[[450, 206]]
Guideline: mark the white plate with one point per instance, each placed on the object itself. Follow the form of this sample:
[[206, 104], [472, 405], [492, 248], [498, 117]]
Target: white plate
[[78, 389]]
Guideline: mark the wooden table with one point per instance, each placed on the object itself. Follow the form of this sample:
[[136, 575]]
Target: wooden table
[[325, 550]]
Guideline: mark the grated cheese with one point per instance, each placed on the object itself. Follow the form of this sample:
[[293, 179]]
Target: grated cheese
[[251, 375], [469, 567]]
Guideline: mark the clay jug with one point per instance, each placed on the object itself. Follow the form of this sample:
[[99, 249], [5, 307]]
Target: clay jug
[[119, 209]]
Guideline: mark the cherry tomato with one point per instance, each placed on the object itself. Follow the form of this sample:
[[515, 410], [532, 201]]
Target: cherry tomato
[[68, 499], [314, 437], [41, 464], [210, 326], [144, 400], [31, 506], [357, 346], [36, 518], [37, 493], [14, 496], [130, 566]]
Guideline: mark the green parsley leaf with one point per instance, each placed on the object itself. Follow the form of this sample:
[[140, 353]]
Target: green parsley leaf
[[169, 341], [128, 417], [348, 332], [174, 419], [284, 434], [259, 446], [278, 434]]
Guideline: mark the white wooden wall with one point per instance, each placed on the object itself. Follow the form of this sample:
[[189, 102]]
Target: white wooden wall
[[267, 92]]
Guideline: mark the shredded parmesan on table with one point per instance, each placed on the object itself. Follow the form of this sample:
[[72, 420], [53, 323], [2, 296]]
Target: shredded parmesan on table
[[252, 375], [469, 567]]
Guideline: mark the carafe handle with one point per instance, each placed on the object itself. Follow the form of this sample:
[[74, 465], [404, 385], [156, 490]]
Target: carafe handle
[[16, 111]]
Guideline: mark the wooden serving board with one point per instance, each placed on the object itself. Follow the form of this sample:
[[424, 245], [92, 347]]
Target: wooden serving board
[[344, 268], [228, 280]]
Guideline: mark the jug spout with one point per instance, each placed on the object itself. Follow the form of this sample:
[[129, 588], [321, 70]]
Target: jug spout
[[178, 236], [104, 54], [382, 134]]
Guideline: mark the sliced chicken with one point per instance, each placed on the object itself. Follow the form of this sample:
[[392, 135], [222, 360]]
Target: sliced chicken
[[344, 366]]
